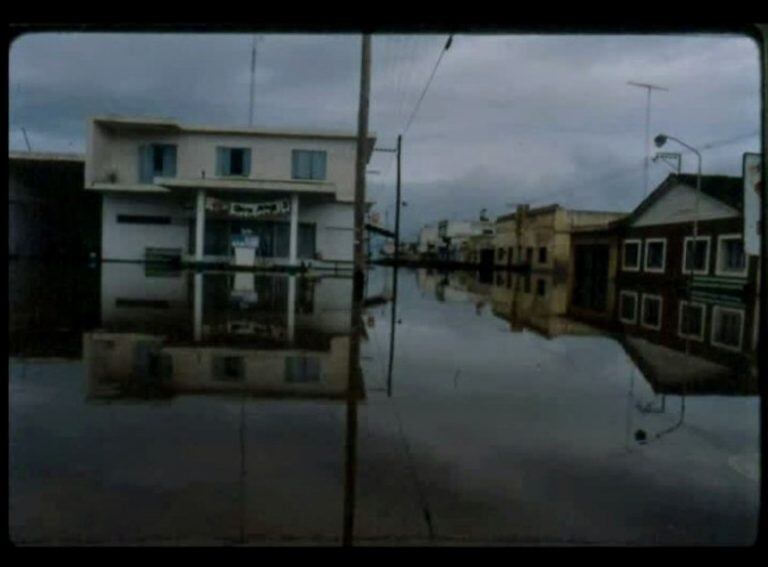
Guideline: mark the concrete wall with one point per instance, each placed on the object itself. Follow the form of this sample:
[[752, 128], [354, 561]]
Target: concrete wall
[[117, 151], [335, 234], [122, 241]]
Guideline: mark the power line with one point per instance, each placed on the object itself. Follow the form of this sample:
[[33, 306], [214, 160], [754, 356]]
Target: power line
[[728, 141], [429, 82]]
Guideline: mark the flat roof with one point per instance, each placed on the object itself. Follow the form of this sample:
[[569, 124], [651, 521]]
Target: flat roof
[[46, 156], [168, 124]]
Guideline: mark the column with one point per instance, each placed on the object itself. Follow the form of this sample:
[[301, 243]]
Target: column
[[197, 313], [291, 308], [200, 225], [294, 237]]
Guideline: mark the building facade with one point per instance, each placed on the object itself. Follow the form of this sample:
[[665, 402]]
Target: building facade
[[222, 195], [453, 236], [676, 271], [540, 238]]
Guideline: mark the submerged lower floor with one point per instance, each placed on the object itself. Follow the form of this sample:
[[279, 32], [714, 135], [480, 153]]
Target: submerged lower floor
[[303, 231]]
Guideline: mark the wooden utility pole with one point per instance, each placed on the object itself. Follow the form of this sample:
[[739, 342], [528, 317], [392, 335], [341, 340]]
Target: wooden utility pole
[[397, 207], [357, 296]]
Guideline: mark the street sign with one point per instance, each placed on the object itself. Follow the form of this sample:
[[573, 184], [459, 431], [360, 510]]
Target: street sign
[[753, 181]]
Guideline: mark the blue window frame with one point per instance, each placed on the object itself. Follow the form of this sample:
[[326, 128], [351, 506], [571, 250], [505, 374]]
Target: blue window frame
[[156, 160], [233, 162], [307, 164]]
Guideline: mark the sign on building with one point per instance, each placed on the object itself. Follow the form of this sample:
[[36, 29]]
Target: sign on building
[[753, 181], [248, 210]]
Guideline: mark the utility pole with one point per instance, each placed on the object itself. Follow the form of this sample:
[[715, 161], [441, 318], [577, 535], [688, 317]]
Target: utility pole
[[397, 206], [26, 140], [649, 87], [357, 294]]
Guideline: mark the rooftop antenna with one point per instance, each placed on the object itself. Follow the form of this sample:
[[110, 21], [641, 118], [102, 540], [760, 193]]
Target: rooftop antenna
[[649, 87], [256, 39], [26, 139]]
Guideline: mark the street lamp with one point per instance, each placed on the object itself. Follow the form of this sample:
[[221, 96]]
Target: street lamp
[[662, 139]]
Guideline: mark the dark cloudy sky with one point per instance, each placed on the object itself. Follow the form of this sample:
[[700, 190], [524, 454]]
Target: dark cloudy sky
[[507, 119]]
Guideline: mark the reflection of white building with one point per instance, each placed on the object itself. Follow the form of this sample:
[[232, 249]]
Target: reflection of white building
[[177, 332], [195, 192], [136, 365]]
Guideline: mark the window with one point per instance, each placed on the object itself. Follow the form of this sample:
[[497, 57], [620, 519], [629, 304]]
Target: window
[[500, 254], [543, 255], [731, 260], [655, 255], [691, 320], [529, 255], [233, 162], [628, 307], [696, 259], [156, 160], [308, 164], [631, 256], [541, 287], [651, 312], [143, 219], [527, 283], [302, 369], [510, 254], [727, 327]]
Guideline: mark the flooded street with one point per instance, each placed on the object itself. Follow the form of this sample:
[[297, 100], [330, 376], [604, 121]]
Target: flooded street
[[165, 406]]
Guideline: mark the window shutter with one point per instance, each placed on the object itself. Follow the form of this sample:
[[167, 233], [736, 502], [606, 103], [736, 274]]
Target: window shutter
[[169, 161], [222, 161], [318, 165], [247, 162], [145, 164]]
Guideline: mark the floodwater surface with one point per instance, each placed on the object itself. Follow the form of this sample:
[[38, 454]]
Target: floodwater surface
[[150, 406]]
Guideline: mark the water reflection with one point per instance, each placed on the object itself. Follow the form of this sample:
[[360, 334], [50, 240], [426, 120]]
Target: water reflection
[[265, 335], [439, 407]]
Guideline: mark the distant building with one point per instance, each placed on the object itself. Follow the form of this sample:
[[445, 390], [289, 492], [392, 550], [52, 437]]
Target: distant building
[[452, 237], [222, 194], [541, 238], [427, 245], [49, 214]]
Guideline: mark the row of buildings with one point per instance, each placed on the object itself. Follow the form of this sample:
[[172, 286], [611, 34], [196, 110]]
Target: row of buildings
[[673, 272]]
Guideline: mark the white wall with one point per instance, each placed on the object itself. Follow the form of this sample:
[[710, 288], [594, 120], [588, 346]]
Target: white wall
[[121, 241], [679, 205], [335, 235]]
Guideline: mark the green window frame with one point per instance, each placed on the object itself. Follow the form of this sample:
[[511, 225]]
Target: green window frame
[[156, 160], [308, 164], [233, 162]]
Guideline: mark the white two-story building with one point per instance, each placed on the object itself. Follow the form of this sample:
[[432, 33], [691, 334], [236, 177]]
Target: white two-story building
[[199, 193]]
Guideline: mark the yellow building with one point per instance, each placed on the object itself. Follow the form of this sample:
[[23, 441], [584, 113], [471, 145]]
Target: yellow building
[[541, 238]]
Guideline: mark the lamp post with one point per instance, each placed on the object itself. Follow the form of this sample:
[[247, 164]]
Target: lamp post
[[662, 139]]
